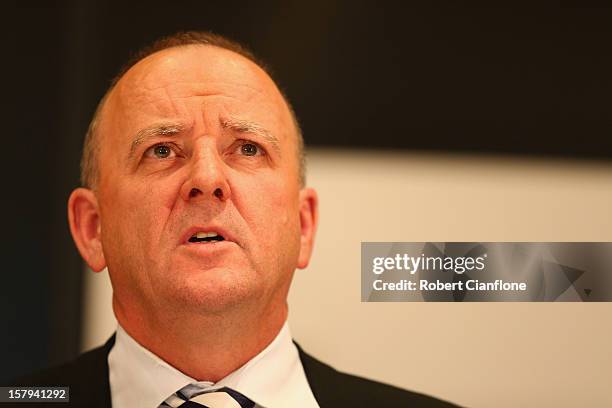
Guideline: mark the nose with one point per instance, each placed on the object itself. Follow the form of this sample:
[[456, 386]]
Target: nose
[[207, 178]]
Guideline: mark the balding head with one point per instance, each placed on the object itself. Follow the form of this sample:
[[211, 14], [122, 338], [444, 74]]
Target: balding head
[[90, 157]]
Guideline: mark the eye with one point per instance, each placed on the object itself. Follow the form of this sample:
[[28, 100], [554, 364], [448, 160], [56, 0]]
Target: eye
[[160, 151], [250, 149]]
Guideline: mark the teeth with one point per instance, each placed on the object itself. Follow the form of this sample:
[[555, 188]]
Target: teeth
[[202, 235]]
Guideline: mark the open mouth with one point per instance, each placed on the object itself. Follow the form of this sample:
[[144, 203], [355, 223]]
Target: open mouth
[[206, 237]]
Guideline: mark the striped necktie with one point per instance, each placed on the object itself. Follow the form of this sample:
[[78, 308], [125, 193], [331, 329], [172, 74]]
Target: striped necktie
[[224, 397]]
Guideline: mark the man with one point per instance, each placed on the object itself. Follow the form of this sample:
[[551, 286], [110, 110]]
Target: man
[[194, 199]]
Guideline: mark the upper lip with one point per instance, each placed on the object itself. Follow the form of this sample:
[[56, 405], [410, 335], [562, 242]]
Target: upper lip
[[227, 236]]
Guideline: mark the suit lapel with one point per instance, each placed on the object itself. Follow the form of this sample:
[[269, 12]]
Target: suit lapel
[[321, 378], [100, 390]]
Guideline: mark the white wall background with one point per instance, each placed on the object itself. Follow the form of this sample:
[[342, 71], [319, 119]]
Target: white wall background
[[474, 354]]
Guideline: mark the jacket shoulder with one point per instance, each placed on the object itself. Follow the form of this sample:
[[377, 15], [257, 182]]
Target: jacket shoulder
[[333, 388]]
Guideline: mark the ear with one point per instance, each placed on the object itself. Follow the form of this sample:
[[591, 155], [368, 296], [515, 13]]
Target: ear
[[309, 217], [84, 219]]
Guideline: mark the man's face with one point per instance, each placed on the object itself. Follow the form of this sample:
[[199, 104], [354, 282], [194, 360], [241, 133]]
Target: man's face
[[197, 141]]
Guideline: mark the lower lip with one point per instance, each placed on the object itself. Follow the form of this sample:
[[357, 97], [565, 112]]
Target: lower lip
[[208, 247]]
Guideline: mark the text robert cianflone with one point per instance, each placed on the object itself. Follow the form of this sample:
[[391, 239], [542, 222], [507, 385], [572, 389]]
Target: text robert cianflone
[[471, 284], [413, 264]]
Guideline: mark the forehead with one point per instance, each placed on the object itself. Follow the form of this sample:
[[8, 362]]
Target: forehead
[[158, 84]]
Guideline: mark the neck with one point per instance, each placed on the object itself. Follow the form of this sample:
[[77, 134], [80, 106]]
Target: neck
[[204, 347]]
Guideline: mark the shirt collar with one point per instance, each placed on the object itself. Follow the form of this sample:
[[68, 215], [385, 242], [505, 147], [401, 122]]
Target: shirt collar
[[273, 378]]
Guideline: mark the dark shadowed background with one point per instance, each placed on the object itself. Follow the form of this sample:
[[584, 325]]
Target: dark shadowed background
[[520, 80]]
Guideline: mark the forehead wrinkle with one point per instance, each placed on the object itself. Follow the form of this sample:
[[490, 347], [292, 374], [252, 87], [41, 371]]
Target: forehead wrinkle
[[246, 126], [158, 129]]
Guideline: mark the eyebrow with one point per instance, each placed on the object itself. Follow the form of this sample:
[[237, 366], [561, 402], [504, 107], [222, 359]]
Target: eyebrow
[[156, 130], [245, 126]]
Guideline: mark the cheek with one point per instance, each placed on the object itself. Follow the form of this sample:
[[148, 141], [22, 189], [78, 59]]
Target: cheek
[[135, 216], [270, 209], [133, 224]]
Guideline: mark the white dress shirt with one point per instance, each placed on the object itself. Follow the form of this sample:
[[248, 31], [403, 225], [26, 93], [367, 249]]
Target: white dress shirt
[[274, 378]]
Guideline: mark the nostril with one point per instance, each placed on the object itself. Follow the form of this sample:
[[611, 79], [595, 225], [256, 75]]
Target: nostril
[[194, 192], [218, 193]]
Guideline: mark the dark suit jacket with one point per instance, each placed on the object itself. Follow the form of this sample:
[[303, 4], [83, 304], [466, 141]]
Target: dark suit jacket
[[87, 377]]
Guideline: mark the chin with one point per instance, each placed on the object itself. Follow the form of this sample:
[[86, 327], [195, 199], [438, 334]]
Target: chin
[[216, 290]]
